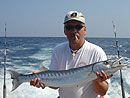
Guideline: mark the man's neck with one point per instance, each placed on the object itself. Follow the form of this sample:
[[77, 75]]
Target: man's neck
[[77, 46]]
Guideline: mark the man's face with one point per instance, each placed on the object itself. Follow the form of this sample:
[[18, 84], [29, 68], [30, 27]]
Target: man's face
[[75, 32]]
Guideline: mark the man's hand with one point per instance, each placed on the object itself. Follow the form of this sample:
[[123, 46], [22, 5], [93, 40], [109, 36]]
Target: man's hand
[[100, 84], [36, 82]]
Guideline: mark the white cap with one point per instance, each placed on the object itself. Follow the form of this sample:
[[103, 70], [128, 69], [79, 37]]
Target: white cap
[[74, 15]]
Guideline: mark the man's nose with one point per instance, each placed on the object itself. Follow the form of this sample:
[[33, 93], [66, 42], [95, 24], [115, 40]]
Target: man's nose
[[74, 30]]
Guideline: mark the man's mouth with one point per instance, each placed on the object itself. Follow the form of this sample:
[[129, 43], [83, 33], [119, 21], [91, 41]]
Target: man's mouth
[[74, 37]]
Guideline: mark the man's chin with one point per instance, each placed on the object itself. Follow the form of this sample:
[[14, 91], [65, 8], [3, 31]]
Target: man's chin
[[74, 42]]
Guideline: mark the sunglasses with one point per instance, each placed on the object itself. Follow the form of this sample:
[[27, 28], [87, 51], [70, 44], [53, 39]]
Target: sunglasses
[[71, 27]]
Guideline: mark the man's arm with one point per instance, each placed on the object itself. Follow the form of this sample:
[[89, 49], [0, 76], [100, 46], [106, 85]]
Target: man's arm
[[100, 84]]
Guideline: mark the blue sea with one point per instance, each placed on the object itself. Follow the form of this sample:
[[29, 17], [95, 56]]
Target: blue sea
[[27, 54]]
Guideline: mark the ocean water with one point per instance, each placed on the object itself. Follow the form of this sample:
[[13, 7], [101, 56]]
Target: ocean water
[[27, 54]]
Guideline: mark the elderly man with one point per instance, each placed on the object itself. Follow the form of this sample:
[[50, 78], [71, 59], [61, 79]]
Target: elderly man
[[77, 52]]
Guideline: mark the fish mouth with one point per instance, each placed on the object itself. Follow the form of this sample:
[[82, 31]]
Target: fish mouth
[[125, 64], [118, 63], [120, 59]]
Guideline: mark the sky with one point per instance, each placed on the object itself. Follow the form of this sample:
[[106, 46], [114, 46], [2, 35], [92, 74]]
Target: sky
[[44, 18]]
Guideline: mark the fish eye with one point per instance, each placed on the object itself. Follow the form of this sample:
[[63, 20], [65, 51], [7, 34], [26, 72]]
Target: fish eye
[[106, 62]]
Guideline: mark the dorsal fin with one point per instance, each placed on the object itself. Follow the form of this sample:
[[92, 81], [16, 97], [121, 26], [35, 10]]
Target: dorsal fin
[[43, 68]]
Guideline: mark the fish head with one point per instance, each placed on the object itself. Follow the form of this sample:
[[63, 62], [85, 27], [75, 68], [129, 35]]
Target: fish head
[[114, 65]]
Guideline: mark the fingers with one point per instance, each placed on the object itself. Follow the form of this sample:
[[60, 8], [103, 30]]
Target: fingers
[[104, 76], [42, 85], [36, 82], [31, 82], [39, 84], [109, 76], [98, 75]]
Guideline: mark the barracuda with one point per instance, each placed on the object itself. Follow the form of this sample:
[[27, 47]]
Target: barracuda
[[74, 76]]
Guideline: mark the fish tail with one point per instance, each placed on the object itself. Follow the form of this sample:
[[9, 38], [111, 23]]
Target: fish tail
[[15, 81]]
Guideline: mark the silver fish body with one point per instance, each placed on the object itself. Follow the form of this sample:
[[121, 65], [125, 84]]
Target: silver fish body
[[74, 76]]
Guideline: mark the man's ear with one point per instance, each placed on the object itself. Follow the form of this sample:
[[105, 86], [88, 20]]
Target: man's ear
[[64, 30], [85, 29]]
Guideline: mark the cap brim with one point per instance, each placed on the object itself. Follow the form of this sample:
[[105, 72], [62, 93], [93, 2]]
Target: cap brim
[[74, 19]]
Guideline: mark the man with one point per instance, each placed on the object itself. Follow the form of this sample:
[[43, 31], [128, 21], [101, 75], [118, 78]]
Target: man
[[77, 52]]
